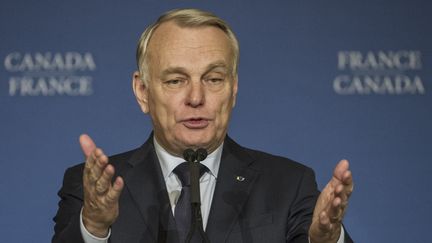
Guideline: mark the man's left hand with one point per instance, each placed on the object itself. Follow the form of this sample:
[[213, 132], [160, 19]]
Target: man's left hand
[[331, 206]]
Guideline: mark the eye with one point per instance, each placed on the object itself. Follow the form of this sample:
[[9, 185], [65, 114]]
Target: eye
[[214, 80], [175, 83]]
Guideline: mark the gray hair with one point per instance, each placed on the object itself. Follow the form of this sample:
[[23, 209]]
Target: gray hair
[[184, 18]]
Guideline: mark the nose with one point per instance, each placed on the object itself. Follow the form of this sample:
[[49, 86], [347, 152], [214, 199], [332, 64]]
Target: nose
[[196, 96]]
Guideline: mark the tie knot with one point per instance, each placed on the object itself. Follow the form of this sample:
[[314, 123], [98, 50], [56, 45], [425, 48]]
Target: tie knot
[[183, 173]]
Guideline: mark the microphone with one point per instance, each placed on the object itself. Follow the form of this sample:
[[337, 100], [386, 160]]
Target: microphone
[[201, 154], [189, 155], [194, 158]]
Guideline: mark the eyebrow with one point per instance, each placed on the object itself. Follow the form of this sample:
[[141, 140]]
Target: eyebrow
[[183, 71], [212, 66], [172, 70]]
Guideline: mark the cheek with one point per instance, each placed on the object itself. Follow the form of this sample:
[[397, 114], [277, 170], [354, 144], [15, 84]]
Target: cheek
[[163, 111], [165, 114], [224, 112]]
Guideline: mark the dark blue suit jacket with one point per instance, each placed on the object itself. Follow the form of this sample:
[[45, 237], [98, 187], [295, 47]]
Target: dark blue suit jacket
[[273, 204]]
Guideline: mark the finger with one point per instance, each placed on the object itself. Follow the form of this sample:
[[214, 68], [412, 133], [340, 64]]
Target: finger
[[347, 178], [348, 184], [335, 211], [95, 169], [340, 169], [104, 181], [341, 192], [324, 222], [100, 158], [114, 192], [88, 147], [87, 144]]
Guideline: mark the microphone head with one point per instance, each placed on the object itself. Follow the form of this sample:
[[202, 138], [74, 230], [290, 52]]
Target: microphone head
[[201, 154], [189, 155]]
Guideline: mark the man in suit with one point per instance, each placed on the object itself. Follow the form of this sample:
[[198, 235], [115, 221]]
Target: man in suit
[[187, 83]]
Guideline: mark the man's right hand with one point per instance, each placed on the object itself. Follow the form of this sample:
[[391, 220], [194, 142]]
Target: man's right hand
[[101, 197]]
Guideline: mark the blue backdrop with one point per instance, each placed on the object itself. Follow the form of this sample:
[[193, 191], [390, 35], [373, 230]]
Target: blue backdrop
[[319, 81]]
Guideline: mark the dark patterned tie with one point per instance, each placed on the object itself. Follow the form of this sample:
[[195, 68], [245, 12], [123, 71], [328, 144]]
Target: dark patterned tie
[[183, 211]]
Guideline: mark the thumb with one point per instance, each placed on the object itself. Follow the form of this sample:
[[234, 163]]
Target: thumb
[[87, 144], [340, 169]]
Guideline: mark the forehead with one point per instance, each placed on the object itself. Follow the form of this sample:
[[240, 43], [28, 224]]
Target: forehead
[[170, 42]]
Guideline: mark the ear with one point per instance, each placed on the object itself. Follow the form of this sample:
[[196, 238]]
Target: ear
[[235, 89], [140, 91]]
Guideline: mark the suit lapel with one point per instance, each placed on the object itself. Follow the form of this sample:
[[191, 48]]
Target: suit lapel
[[234, 182], [145, 183]]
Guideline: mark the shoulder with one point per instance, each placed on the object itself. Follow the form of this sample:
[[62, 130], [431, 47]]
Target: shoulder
[[276, 176], [269, 165], [278, 166], [73, 174]]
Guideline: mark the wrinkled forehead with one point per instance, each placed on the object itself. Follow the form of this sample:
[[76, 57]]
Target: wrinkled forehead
[[170, 37]]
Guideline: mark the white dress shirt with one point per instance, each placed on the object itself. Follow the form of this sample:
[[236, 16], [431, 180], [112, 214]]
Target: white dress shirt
[[169, 162]]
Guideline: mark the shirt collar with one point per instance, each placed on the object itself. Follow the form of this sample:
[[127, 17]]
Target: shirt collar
[[168, 162]]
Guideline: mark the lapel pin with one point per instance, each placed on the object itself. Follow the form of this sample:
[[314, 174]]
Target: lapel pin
[[240, 178]]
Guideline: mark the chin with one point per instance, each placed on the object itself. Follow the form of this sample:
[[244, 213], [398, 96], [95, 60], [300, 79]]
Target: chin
[[196, 139]]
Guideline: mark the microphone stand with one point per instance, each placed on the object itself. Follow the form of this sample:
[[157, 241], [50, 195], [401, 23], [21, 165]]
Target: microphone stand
[[197, 223]]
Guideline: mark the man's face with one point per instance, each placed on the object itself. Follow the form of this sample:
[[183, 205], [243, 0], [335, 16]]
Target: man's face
[[191, 90]]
